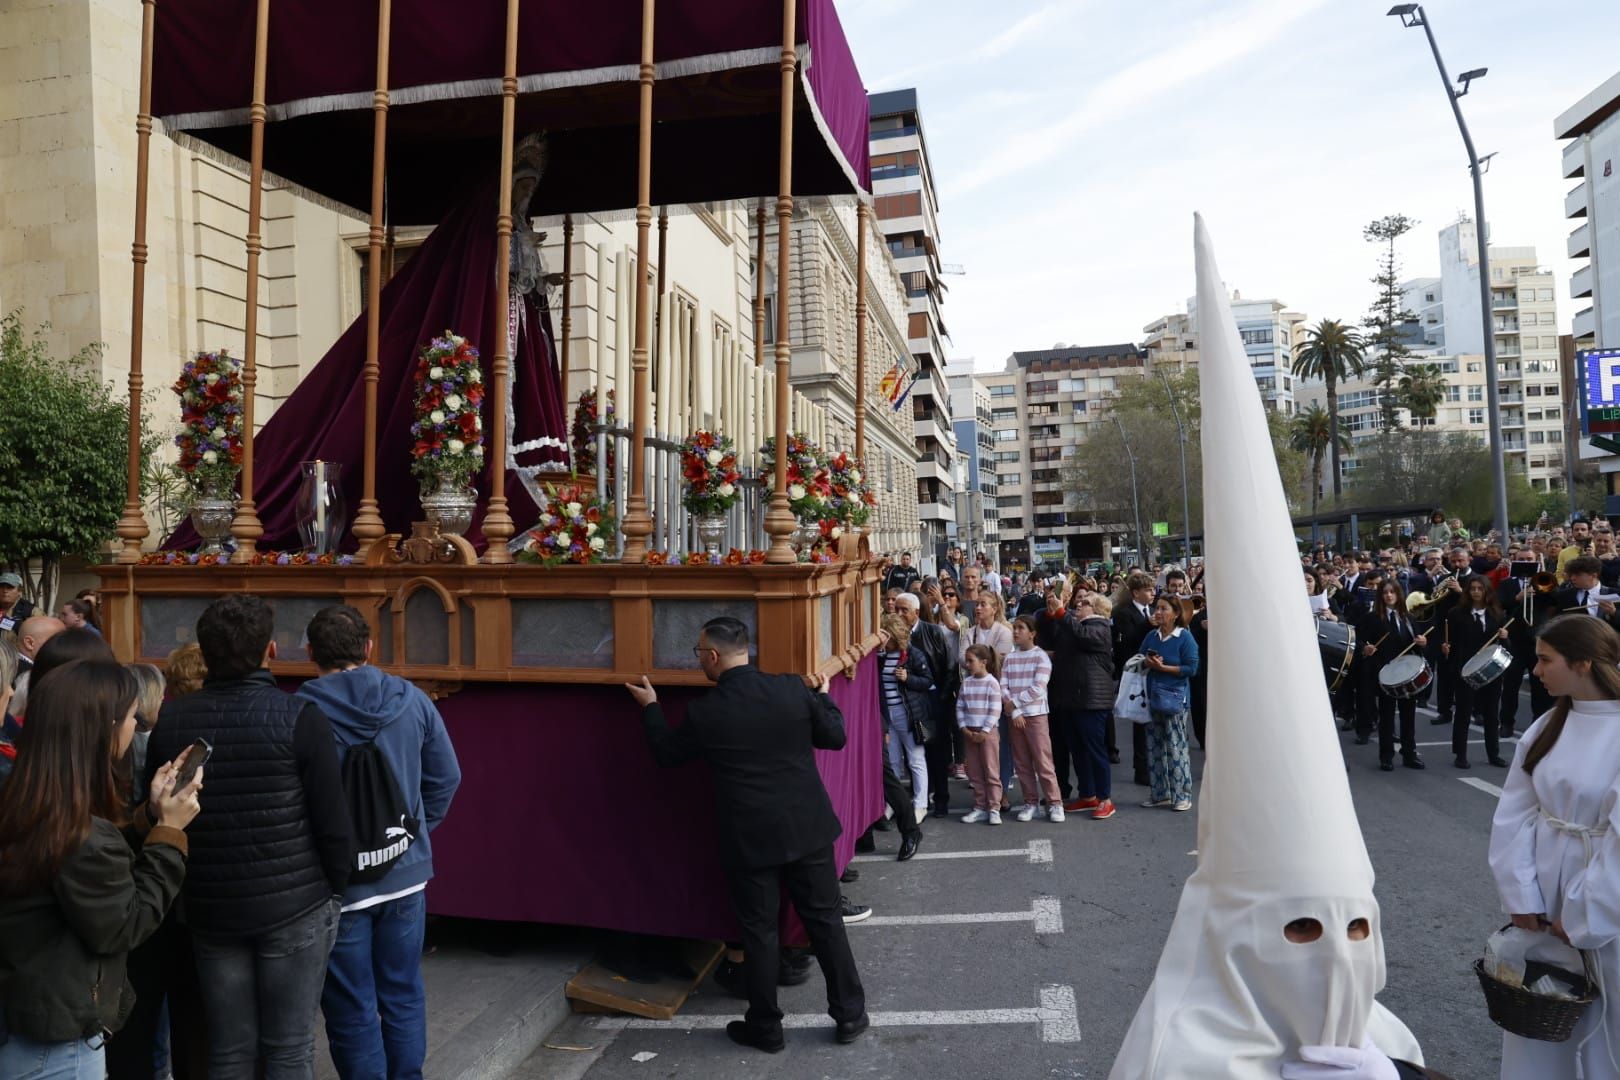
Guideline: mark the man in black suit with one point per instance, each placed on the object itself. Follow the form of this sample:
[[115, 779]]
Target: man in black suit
[[902, 576], [1131, 624], [777, 826]]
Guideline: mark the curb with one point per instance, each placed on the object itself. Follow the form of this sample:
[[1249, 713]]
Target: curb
[[504, 1035]]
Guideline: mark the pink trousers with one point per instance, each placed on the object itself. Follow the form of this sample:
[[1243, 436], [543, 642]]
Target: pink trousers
[[984, 771], [1032, 757]]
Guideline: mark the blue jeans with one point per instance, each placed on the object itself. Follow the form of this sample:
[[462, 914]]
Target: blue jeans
[[1087, 733], [25, 1059], [261, 994], [374, 1002]]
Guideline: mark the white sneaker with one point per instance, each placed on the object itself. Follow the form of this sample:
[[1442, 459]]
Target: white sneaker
[[1054, 812], [1182, 805], [973, 817], [995, 817], [1026, 812]]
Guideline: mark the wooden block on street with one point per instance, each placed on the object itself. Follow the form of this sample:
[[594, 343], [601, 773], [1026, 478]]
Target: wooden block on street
[[598, 989]]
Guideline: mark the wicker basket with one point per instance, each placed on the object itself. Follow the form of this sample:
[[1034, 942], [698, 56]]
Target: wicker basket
[[1532, 1016]]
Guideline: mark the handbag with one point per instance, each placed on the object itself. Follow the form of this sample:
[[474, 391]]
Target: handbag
[[1167, 697], [1131, 702]]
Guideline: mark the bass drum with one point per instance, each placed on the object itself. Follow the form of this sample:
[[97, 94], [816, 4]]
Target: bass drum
[[1337, 641], [1405, 676]]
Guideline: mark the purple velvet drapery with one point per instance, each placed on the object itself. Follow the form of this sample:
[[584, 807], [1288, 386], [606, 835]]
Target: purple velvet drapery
[[448, 284], [563, 818], [716, 99]]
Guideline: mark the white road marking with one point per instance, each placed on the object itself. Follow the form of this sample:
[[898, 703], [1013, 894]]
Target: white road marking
[[1046, 913], [1057, 1015], [1506, 740], [1038, 851], [1489, 789]]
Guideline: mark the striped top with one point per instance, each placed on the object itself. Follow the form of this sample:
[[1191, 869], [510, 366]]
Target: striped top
[[978, 703], [1024, 675], [891, 686]]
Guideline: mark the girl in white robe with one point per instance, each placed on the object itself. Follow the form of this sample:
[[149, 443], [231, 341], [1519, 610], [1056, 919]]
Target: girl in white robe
[[1555, 839]]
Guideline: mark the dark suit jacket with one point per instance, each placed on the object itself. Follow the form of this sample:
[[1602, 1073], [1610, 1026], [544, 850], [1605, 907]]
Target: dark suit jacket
[[1568, 596], [1466, 638], [1130, 627], [757, 731]]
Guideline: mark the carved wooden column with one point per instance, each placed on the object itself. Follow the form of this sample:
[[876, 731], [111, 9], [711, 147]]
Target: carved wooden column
[[368, 522], [779, 520], [246, 528], [498, 527], [759, 287], [638, 526], [567, 297], [860, 334], [132, 528]]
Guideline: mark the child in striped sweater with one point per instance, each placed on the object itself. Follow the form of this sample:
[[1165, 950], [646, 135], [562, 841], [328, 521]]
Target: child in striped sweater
[[978, 713], [1024, 675]]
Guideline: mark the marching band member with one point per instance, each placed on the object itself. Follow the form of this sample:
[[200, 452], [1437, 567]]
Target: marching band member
[[1387, 632], [1470, 626]]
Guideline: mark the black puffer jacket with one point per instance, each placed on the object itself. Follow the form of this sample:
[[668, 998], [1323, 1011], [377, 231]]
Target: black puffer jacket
[[273, 839], [917, 692], [62, 949], [1082, 663]]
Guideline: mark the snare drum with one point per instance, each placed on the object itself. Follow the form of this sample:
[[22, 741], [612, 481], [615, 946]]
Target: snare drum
[[1487, 665], [1406, 676], [1337, 641]]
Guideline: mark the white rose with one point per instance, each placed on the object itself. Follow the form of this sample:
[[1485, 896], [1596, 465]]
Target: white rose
[[546, 519], [219, 433], [854, 476], [573, 509], [715, 457], [475, 376], [591, 527], [435, 372], [837, 531], [211, 378], [210, 456], [597, 543], [437, 416], [478, 422], [453, 401], [457, 446], [727, 491], [795, 492]]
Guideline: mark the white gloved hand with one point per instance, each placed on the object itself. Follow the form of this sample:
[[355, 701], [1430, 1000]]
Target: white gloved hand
[[1341, 1063]]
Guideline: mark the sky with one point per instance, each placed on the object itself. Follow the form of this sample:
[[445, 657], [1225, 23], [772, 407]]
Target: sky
[[1072, 140]]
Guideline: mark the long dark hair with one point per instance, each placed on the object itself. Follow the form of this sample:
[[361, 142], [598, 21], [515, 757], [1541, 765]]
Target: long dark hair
[[65, 773], [63, 648], [1493, 603], [1576, 638]]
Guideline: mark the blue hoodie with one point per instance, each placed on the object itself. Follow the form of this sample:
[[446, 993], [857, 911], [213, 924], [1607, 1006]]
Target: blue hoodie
[[367, 704]]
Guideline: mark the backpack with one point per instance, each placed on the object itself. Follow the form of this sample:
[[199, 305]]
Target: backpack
[[384, 829]]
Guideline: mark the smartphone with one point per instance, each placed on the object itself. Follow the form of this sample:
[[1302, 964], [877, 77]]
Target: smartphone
[[197, 755]]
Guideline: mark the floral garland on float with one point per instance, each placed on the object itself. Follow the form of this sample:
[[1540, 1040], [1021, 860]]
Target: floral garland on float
[[850, 503], [734, 557], [573, 528], [260, 558], [210, 442], [448, 451], [709, 467], [809, 485], [586, 415]]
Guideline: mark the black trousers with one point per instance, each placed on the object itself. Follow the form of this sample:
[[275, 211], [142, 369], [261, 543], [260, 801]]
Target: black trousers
[[1387, 708], [1139, 758], [1446, 681], [1540, 700], [162, 967], [812, 885], [1058, 729], [1511, 681], [899, 800], [1483, 703], [1369, 698]]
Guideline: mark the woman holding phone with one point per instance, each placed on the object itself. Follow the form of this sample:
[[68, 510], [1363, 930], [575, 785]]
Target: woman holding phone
[[75, 897], [1171, 662]]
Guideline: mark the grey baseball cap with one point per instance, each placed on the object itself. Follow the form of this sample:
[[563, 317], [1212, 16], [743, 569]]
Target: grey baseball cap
[[8, 578]]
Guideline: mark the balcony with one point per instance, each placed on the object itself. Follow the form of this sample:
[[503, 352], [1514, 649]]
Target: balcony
[[1584, 325], [1507, 351], [1575, 159], [1580, 282], [1513, 445], [1513, 419], [1575, 203], [1579, 244], [1504, 302]]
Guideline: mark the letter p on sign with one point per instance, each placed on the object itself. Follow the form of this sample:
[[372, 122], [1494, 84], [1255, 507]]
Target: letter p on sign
[[1609, 378]]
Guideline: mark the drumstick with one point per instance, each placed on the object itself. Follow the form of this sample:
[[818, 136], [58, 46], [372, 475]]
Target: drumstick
[[1403, 652], [1493, 639]]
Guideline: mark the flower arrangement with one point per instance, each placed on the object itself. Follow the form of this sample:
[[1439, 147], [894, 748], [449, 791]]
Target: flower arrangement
[[448, 431], [210, 438], [584, 442], [709, 464], [734, 557], [851, 501], [807, 480], [260, 558], [573, 528]]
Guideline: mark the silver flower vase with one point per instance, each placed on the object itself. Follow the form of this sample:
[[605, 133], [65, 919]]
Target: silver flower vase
[[448, 502], [711, 531], [212, 512]]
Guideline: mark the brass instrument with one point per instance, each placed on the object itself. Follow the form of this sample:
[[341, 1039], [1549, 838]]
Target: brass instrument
[[1420, 605], [1544, 581]]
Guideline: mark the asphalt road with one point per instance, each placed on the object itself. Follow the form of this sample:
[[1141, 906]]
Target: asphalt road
[[1062, 933]]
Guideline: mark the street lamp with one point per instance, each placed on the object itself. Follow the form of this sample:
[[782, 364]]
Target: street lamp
[[1181, 433], [1413, 15], [1136, 507]]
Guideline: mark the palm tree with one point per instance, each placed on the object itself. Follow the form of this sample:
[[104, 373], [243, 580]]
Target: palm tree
[[1331, 352], [1422, 389], [1311, 433]]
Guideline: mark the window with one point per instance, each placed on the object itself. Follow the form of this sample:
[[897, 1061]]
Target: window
[[1257, 337], [1007, 435], [1049, 498], [1428, 298], [1004, 391], [1551, 391], [1046, 476], [1476, 393], [1046, 453], [1555, 414], [1079, 406], [1544, 294], [1537, 438], [1004, 457], [1476, 416], [998, 417], [1532, 391], [1555, 437], [1473, 366], [1012, 523], [1453, 393], [1533, 414], [1009, 502]]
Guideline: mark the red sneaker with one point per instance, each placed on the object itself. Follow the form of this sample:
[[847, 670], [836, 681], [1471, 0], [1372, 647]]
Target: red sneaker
[[1105, 809], [1074, 805]]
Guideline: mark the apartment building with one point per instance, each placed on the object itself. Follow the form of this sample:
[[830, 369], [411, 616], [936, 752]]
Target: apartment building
[[977, 474], [907, 207], [1009, 453], [1269, 332], [1592, 128]]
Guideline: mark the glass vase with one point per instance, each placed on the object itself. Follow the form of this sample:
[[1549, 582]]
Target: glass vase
[[711, 531], [320, 509], [212, 512], [448, 501]]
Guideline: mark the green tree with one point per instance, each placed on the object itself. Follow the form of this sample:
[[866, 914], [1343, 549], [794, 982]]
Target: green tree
[[1424, 467], [1310, 433], [63, 440], [1386, 316], [1421, 390], [1331, 352]]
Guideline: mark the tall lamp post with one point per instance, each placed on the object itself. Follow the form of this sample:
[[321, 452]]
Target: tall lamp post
[[1181, 433], [1136, 505], [1413, 15]]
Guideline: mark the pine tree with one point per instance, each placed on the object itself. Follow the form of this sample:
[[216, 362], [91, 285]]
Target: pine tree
[[1384, 318]]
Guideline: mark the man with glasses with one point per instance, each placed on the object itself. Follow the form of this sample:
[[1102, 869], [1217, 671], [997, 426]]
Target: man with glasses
[[758, 734]]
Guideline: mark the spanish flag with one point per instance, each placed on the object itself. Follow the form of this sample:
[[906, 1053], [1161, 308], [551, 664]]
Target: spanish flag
[[891, 380]]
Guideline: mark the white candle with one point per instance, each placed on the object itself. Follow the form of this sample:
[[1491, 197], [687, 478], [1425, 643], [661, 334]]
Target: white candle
[[599, 351], [320, 503]]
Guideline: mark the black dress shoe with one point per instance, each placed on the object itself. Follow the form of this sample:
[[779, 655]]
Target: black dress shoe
[[729, 977], [1499, 762], [1386, 766], [1440, 720], [850, 1030], [882, 824], [1413, 762], [865, 846], [795, 970], [1507, 731], [909, 844], [1113, 757], [740, 1033], [1461, 762], [1362, 740]]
